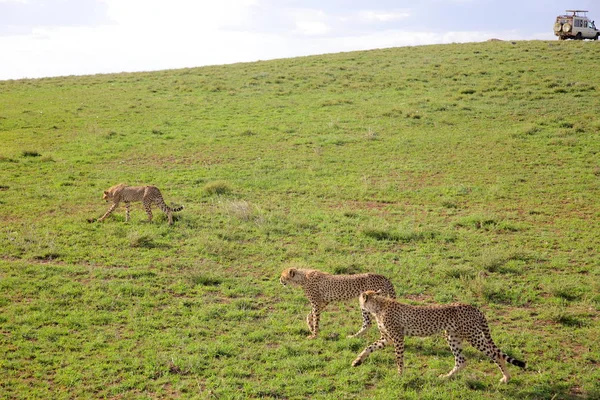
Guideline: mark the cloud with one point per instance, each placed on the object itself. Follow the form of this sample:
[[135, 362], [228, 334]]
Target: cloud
[[312, 28], [383, 16], [23, 16], [142, 35]]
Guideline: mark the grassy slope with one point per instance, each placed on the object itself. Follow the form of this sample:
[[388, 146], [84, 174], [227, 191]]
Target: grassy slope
[[463, 172]]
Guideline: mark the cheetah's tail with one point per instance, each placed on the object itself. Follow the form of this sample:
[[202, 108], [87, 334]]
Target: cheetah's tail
[[514, 361], [165, 208]]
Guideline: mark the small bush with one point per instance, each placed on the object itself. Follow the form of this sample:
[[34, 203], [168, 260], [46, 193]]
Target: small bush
[[347, 269], [217, 187], [47, 256], [371, 134], [240, 209], [487, 223], [141, 241], [6, 159], [205, 280], [561, 316], [28, 153], [568, 292], [449, 204], [497, 292], [459, 272], [404, 237]]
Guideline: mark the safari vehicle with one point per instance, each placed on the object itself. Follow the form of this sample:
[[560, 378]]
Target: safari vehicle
[[575, 25]]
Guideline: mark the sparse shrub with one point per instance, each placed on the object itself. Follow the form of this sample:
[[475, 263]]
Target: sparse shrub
[[492, 261], [371, 134], [474, 384], [477, 222], [47, 256], [569, 320], [567, 291], [240, 209], [205, 280], [347, 269], [29, 153], [561, 316], [496, 292], [404, 237], [6, 159], [217, 187], [531, 130], [565, 124], [459, 272], [449, 204], [137, 240]]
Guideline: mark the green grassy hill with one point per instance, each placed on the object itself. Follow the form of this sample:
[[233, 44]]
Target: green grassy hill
[[463, 172]]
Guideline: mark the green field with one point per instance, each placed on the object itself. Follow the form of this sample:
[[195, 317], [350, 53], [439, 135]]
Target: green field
[[462, 172]]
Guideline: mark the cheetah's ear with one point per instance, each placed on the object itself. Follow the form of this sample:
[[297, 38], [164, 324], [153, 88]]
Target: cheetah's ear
[[378, 291], [292, 272]]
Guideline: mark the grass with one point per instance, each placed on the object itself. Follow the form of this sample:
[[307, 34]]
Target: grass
[[463, 172]]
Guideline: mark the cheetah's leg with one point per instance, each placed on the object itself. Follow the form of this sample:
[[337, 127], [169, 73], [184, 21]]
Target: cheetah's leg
[[380, 344], [398, 341], [312, 319], [310, 322], [126, 211], [316, 312], [366, 323], [483, 342], [147, 207], [455, 342], [165, 208], [110, 210]]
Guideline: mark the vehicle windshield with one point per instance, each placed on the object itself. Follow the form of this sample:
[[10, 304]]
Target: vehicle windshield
[[592, 25]]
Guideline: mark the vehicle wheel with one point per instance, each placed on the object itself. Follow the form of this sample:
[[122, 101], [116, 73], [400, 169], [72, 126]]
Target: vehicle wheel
[[578, 36], [597, 35], [557, 27]]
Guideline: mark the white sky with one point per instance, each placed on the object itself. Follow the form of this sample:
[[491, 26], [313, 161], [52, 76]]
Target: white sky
[[40, 38]]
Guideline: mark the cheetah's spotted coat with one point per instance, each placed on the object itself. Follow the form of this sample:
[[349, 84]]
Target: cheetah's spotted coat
[[146, 194], [322, 288], [460, 321]]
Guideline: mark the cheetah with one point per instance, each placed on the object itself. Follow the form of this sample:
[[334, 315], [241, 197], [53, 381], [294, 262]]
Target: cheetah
[[460, 321], [322, 288], [146, 194]]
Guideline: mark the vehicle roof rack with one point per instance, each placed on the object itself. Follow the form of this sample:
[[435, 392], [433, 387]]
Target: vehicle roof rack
[[576, 12]]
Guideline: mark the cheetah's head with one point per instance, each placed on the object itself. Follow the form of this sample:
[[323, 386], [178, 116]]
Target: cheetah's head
[[111, 192], [368, 300], [293, 276]]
